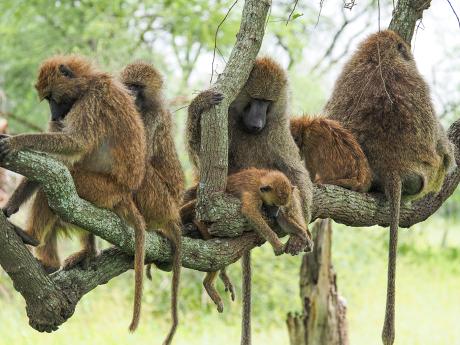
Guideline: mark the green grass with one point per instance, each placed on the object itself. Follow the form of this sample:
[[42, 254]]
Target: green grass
[[428, 297]]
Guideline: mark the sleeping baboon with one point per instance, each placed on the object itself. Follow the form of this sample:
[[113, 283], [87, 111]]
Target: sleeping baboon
[[96, 130], [331, 153], [384, 101], [257, 188], [160, 193]]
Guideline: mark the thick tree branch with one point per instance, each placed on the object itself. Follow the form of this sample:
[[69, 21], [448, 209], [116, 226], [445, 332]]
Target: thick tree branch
[[405, 16], [62, 290], [214, 123]]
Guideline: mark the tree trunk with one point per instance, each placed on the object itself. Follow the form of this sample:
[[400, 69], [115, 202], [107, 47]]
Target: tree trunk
[[323, 318]]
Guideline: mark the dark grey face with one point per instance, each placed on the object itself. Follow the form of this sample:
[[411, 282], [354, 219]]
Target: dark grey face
[[139, 94], [59, 110], [254, 117]]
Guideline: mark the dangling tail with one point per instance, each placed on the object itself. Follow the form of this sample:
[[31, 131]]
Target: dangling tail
[[246, 292], [393, 193], [175, 237]]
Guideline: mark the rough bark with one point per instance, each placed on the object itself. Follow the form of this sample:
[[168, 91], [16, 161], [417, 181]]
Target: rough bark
[[214, 123], [405, 16], [323, 318]]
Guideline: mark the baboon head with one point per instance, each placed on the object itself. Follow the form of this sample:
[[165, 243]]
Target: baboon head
[[276, 189], [145, 83], [62, 80], [263, 96]]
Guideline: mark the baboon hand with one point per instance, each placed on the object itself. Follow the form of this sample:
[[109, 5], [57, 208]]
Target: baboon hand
[[8, 211], [296, 244], [211, 98], [6, 148]]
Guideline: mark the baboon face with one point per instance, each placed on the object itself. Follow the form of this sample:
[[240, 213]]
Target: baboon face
[[254, 115], [61, 81], [276, 190], [144, 82], [257, 101], [138, 92]]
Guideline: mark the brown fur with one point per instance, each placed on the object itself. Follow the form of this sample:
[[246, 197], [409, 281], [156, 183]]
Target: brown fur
[[385, 102], [331, 153], [91, 139], [160, 194], [271, 148], [256, 188]]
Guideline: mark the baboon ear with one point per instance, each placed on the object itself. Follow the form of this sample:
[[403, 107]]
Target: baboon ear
[[66, 71], [265, 189]]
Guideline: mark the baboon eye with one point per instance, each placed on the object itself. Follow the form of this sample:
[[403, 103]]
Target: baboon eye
[[66, 71], [265, 189]]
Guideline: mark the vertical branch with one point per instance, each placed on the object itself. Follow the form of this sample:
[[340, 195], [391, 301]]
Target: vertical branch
[[405, 16], [214, 123]]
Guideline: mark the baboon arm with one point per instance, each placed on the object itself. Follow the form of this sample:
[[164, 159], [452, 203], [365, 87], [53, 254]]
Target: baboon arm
[[250, 208], [21, 194], [299, 177], [204, 101], [57, 143]]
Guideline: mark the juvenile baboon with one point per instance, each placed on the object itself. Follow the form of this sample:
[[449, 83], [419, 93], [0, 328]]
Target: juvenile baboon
[[384, 101], [96, 130], [257, 188], [331, 153], [159, 196]]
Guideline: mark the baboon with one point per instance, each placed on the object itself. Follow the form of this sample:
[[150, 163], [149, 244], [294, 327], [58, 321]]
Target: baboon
[[259, 133], [159, 196], [384, 101], [331, 153], [96, 130], [258, 129], [257, 188]]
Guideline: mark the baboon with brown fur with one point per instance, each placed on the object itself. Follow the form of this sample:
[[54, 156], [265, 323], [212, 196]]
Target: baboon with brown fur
[[384, 101], [96, 130], [331, 153], [257, 188], [258, 127], [160, 193]]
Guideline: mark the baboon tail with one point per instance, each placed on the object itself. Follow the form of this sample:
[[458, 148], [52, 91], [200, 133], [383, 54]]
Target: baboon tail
[[175, 237], [393, 194], [246, 292], [132, 214]]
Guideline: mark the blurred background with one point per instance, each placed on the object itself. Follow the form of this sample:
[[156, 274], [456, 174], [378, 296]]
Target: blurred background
[[179, 38]]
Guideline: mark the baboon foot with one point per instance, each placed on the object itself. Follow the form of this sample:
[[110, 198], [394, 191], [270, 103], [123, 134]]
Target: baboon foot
[[81, 258], [228, 284]]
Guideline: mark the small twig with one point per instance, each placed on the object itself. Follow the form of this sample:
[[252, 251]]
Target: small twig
[[321, 2], [380, 60], [215, 39], [455, 13], [292, 12]]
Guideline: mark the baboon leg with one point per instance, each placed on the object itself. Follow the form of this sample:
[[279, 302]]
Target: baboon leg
[[187, 212], [84, 256], [249, 209], [209, 285], [227, 283], [348, 183], [42, 226]]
